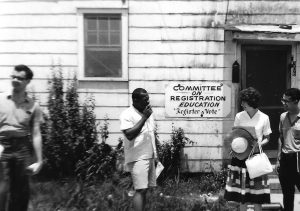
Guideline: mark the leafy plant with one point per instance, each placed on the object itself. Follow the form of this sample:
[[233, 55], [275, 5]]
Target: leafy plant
[[169, 153], [70, 129], [100, 160]]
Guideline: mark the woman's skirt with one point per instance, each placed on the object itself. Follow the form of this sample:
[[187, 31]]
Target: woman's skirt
[[240, 188]]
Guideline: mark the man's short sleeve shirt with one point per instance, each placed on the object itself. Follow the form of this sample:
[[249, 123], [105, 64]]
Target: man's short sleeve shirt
[[290, 144], [143, 146], [16, 120]]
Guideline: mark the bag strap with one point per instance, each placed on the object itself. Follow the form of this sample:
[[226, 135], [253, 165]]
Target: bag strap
[[252, 151]]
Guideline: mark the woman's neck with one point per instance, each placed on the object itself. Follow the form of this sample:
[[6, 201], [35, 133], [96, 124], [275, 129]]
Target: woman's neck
[[251, 111]]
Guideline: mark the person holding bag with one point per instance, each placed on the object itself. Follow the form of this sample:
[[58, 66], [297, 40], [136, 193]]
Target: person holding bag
[[239, 186]]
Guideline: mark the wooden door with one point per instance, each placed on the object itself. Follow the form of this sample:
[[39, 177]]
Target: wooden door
[[266, 68]]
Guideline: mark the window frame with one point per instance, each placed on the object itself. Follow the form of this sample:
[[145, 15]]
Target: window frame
[[123, 12]]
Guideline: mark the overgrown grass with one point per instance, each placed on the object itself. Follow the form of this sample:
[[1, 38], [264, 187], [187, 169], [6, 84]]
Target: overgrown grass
[[201, 192]]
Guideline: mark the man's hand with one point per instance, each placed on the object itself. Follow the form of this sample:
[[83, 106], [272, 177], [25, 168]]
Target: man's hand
[[147, 111], [35, 167], [277, 166]]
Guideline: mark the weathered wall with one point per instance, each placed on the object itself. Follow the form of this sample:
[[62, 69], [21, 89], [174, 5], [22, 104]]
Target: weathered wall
[[168, 41]]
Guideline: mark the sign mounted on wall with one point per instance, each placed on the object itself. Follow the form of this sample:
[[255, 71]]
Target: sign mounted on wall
[[197, 99]]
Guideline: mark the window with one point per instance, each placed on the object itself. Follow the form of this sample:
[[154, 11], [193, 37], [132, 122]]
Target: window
[[103, 45]]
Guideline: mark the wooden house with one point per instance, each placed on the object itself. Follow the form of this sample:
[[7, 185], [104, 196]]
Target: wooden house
[[172, 48]]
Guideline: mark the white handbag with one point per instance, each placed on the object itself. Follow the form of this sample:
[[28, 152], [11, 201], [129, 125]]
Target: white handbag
[[258, 164]]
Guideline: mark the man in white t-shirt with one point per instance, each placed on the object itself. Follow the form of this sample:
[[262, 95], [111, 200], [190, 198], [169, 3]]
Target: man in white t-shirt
[[137, 124]]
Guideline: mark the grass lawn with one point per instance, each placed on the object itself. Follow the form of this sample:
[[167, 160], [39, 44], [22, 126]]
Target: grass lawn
[[202, 192]]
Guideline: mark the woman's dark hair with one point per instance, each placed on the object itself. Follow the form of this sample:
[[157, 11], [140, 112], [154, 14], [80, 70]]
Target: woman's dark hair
[[293, 93], [27, 70], [251, 96]]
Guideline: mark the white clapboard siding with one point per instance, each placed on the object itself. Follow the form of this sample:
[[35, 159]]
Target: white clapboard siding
[[180, 73], [40, 72], [175, 20], [179, 33], [202, 126], [38, 21], [55, 7], [38, 59], [176, 60], [175, 47], [101, 99], [204, 165], [41, 47], [263, 19], [42, 34], [243, 7], [203, 152], [178, 7], [40, 87], [265, 7]]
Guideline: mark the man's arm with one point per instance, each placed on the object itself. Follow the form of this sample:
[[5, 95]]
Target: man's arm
[[133, 132], [37, 146], [279, 148]]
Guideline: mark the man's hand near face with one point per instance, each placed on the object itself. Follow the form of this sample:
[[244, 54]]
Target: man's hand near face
[[147, 111]]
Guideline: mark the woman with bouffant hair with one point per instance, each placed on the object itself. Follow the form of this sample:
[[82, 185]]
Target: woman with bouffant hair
[[239, 186]]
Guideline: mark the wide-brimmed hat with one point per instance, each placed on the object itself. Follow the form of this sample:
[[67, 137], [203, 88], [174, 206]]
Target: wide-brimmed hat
[[241, 141]]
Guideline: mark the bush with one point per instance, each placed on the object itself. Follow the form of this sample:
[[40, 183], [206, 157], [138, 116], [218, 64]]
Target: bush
[[70, 129], [169, 153], [100, 160]]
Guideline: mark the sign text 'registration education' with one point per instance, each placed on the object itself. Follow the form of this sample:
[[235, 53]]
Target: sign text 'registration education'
[[197, 99]]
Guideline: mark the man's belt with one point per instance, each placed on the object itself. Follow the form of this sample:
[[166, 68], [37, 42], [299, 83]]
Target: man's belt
[[15, 140]]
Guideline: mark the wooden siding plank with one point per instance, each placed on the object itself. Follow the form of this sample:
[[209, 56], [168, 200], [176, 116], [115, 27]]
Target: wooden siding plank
[[189, 33], [176, 20], [263, 19], [182, 47], [202, 165], [205, 126], [101, 99], [243, 7], [203, 153], [36, 34], [180, 74], [55, 7], [38, 21], [182, 7], [176, 60], [38, 59], [43, 47], [40, 72]]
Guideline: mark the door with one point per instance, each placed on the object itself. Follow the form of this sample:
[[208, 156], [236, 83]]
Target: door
[[266, 68]]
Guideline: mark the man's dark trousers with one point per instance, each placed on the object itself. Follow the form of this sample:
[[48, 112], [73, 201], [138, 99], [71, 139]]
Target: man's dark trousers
[[14, 179], [289, 177]]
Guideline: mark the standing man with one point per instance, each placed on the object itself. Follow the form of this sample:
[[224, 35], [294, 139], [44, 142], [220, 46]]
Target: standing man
[[20, 119], [137, 124], [288, 157]]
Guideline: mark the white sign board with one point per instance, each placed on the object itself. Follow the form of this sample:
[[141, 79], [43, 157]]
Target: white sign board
[[197, 99]]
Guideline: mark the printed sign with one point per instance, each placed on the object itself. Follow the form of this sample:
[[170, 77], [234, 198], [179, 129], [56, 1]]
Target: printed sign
[[197, 99]]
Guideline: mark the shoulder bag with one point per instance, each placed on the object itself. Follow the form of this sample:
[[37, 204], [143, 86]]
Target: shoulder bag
[[258, 164]]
